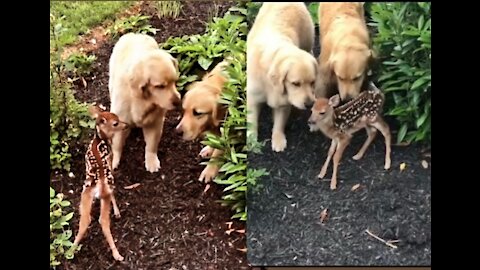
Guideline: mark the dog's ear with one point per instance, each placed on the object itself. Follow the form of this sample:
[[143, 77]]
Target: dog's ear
[[218, 114], [372, 61], [137, 77], [277, 73], [175, 62], [331, 63]]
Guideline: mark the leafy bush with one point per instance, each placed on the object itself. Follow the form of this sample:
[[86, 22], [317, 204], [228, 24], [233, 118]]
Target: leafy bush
[[135, 24], [168, 9], [252, 11], [313, 9], [60, 244], [222, 38], [68, 117], [403, 42], [79, 63]]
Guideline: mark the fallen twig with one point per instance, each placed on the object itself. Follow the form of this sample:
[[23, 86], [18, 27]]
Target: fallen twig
[[388, 243]]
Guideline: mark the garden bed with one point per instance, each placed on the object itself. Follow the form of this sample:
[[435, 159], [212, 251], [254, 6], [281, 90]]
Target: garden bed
[[170, 221], [284, 226]]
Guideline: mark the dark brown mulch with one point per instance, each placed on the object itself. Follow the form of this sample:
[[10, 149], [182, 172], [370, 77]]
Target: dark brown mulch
[[167, 222]]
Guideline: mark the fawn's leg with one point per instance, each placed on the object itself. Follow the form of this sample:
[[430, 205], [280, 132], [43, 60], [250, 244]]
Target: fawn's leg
[[118, 142], [211, 170], [331, 151], [371, 133], [280, 118], [385, 130], [152, 135], [85, 209], [341, 145], [116, 211], [206, 152], [105, 223]]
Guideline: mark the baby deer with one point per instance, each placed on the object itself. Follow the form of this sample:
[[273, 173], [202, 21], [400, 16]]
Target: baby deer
[[340, 123], [99, 178]]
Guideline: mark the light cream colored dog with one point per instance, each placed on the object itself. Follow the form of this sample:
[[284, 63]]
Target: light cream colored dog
[[202, 112], [345, 49], [281, 69], [142, 88]]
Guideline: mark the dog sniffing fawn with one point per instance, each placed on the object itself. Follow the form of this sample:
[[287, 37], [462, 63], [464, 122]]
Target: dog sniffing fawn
[[340, 123], [99, 178]]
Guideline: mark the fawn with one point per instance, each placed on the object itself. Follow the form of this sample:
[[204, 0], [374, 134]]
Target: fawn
[[99, 178], [340, 123]]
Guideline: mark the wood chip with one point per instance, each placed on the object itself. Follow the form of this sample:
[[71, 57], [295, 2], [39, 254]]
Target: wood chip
[[84, 82], [132, 186], [229, 231], [355, 187], [229, 224], [241, 231], [324, 215], [244, 250], [403, 166], [424, 164]]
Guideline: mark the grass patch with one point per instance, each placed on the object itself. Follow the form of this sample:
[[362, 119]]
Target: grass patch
[[80, 16]]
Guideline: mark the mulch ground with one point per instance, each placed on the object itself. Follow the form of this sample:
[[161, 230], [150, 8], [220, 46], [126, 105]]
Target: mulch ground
[[284, 226], [168, 222]]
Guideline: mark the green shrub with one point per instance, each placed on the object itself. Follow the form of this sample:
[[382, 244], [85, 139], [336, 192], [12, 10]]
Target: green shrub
[[252, 11], [223, 37], [402, 40], [132, 24], [68, 117], [313, 9], [60, 234], [80, 64]]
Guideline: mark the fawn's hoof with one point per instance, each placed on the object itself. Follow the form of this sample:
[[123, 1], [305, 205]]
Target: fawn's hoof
[[357, 157], [333, 186], [117, 256], [206, 152]]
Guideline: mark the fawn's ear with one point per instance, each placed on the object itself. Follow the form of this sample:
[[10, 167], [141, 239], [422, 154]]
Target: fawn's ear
[[94, 111], [334, 101]]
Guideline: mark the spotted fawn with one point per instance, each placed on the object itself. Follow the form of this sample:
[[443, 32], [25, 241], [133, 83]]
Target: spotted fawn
[[339, 123], [99, 179]]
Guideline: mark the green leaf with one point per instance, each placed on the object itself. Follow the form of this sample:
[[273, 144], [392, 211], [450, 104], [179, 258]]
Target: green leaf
[[204, 62], [52, 193], [421, 120], [402, 133]]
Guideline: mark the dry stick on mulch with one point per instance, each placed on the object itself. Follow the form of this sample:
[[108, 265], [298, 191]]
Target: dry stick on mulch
[[388, 243]]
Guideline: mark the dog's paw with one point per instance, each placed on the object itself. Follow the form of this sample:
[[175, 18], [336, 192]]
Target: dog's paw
[[152, 163], [117, 256], [117, 215], [206, 152], [279, 142], [209, 173]]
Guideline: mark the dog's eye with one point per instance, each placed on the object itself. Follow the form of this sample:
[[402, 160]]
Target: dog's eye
[[357, 78], [160, 86], [321, 113], [340, 78], [195, 113], [115, 124], [296, 84]]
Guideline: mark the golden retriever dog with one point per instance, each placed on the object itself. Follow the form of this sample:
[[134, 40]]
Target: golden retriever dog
[[345, 53], [202, 112], [142, 88], [281, 69]]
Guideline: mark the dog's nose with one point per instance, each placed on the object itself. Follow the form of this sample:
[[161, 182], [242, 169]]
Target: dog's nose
[[311, 122], [179, 129], [177, 102]]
